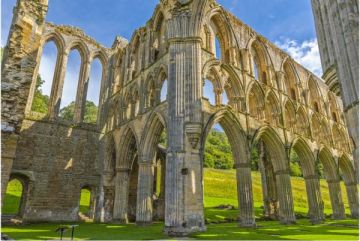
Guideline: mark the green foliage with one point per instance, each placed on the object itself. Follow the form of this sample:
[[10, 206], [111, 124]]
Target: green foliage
[[254, 159], [218, 151], [295, 169], [163, 138], [90, 115], [40, 102]]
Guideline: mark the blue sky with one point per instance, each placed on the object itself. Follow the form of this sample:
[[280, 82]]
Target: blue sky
[[287, 23]]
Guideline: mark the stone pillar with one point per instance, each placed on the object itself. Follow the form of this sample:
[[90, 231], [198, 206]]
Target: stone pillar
[[271, 203], [144, 203], [286, 204], [353, 198], [315, 203], [184, 210], [245, 195], [19, 67], [336, 199], [81, 95], [218, 96], [56, 91], [121, 195]]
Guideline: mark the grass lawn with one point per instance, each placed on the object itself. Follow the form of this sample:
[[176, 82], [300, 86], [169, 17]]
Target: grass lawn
[[220, 188]]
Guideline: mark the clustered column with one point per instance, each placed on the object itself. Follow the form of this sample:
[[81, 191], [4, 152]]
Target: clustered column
[[144, 209], [121, 195], [245, 195], [316, 205], [336, 199], [353, 198], [286, 204], [82, 92]]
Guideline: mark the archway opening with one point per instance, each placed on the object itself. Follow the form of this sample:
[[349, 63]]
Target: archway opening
[[13, 201], [85, 204], [218, 53], [44, 81], [93, 92], [69, 91], [220, 181]]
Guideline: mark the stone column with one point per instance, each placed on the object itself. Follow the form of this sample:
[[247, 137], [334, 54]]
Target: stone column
[[353, 198], [315, 203], [81, 95], [144, 203], [245, 195], [286, 204], [336, 199], [121, 195], [56, 92], [218, 96]]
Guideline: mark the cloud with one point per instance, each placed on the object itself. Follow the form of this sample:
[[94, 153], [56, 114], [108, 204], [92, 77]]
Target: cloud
[[305, 53]]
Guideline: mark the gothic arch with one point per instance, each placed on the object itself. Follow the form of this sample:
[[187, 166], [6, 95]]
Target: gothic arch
[[275, 146], [347, 169], [127, 149], [291, 79], [289, 115], [314, 98], [330, 168], [57, 39], [255, 100], [233, 130], [306, 156], [81, 47], [272, 109], [155, 124], [302, 122], [334, 109]]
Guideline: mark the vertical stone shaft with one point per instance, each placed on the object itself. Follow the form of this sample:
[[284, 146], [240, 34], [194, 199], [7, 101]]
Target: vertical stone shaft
[[336, 199], [286, 204], [353, 198], [245, 195], [83, 85], [56, 91], [144, 208], [121, 195], [315, 203]]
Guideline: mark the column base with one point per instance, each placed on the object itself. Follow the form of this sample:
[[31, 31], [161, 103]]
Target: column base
[[338, 217], [183, 232], [120, 221], [143, 223], [247, 224]]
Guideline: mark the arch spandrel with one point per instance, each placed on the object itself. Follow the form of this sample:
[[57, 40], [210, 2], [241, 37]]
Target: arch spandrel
[[327, 159]]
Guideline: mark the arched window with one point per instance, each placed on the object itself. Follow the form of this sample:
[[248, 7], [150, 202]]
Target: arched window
[[293, 94], [159, 36], [45, 78], [163, 93], [68, 97], [93, 92], [217, 48], [256, 71], [256, 102], [208, 92], [290, 80]]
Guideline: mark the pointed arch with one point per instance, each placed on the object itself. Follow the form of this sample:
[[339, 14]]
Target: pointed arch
[[306, 157], [302, 122], [233, 130], [272, 109], [334, 110], [347, 169], [315, 98], [260, 62], [291, 80], [255, 101], [330, 168], [289, 115], [275, 146], [127, 149], [155, 124]]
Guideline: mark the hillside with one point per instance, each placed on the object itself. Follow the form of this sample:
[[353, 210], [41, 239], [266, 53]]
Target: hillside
[[220, 188]]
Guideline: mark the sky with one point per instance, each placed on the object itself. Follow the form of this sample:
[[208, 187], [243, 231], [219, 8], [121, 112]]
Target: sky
[[287, 23]]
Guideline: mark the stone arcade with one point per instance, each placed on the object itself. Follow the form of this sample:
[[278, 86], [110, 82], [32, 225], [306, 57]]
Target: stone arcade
[[273, 102]]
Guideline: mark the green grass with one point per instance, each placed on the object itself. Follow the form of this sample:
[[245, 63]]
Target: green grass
[[12, 197], [85, 201], [220, 188]]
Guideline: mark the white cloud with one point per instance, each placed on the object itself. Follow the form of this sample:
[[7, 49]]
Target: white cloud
[[305, 53]]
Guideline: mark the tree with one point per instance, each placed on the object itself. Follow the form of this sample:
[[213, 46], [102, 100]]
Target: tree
[[90, 115], [40, 102]]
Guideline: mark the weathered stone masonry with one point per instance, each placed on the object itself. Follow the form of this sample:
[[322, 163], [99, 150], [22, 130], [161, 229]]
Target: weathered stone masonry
[[273, 102]]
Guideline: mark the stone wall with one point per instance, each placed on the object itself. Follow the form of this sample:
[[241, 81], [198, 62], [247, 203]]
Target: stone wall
[[61, 160]]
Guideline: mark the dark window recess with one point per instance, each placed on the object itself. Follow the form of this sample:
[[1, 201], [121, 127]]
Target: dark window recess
[[184, 171]]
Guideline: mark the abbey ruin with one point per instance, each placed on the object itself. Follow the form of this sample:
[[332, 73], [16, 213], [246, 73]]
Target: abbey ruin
[[273, 102]]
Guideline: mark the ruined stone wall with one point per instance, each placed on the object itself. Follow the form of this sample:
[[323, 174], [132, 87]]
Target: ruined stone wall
[[61, 160]]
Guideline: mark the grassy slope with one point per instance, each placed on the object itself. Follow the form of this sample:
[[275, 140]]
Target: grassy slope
[[220, 188]]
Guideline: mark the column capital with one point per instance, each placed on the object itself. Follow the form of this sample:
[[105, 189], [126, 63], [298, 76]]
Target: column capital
[[333, 181], [311, 177]]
